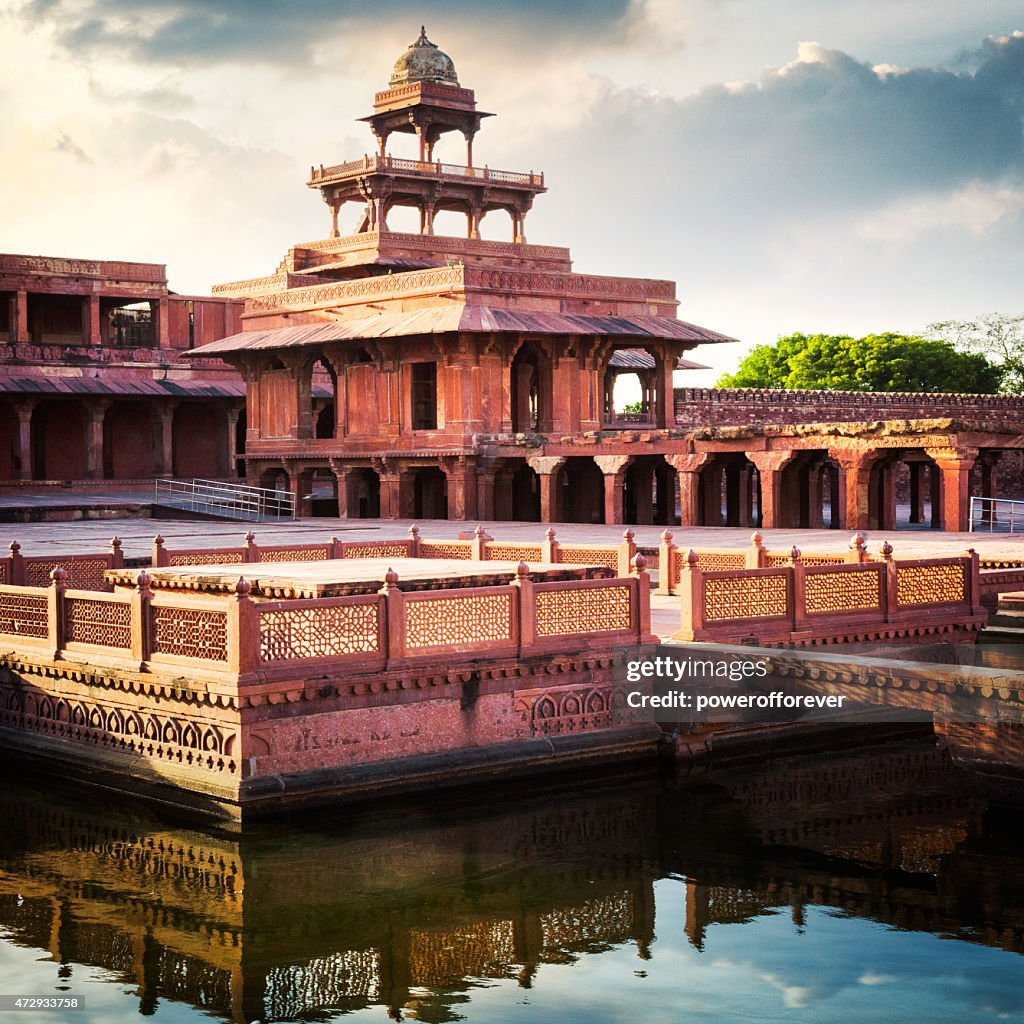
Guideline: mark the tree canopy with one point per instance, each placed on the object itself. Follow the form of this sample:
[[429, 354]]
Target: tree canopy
[[996, 335], [876, 362]]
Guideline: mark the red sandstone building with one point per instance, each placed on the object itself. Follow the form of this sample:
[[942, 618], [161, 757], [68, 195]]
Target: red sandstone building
[[474, 379], [414, 374], [94, 383]]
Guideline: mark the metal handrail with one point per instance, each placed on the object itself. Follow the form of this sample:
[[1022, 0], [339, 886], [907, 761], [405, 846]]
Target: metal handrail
[[997, 515], [221, 497]]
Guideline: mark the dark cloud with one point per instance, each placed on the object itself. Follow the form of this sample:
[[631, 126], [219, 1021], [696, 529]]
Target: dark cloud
[[825, 133], [66, 144], [271, 31]]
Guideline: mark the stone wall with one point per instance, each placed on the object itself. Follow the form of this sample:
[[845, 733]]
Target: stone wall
[[719, 407]]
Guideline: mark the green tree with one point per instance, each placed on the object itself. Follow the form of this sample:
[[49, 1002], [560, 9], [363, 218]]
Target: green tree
[[876, 362], [997, 336]]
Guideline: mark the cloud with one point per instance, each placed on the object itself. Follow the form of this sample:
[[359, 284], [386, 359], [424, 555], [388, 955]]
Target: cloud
[[66, 144], [183, 33]]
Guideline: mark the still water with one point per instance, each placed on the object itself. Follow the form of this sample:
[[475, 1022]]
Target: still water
[[882, 884]]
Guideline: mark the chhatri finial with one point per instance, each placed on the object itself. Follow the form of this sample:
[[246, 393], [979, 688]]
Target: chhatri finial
[[423, 33]]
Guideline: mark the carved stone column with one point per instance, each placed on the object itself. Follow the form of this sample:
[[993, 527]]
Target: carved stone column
[[688, 469], [614, 469], [25, 409], [163, 438], [854, 479], [547, 469], [96, 412], [769, 467], [232, 412], [19, 318], [955, 465]]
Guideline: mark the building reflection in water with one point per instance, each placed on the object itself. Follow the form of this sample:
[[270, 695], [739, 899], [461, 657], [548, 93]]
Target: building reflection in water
[[412, 913]]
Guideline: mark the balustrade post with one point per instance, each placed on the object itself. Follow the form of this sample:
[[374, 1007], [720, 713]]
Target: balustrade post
[[549, 548], [691, 599], [526, 608], [797, 590], [480, 540], [394, 614], [17, 574], [116, 554], [627, 552], [160, 557], [667, 552], [858, 549], [974, 582], [640, 605], [243, 631], [250, 550], [337, 548], [139, 601], [55, 613], [890, 592], [757, 555], [414, 541]]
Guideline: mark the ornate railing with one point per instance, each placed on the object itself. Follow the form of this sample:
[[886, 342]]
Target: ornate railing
[[166, 631], [800, 604], [388, 164]]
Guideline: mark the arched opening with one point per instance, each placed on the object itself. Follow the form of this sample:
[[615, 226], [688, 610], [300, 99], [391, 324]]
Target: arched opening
[[530, 380], [729, 492], [450, 222], [430, 493], [579, 491], [128, 441], [362, 494], [630, 395], [199, 439], [649, 492], [274, 480], [323, 494], [9, 460], [324, 394], [809, 497], [58, 441], [905, 492], [525, 494]]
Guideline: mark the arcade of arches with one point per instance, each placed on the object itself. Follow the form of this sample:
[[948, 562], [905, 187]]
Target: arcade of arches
[[838, 488], [49, 439]]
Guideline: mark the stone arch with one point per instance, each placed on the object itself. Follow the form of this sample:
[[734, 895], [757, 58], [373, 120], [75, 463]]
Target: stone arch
[[128, 442], [58, 441], [649, 492], [9, 458], [325, 406], [530, 386], [430, 492], [579, 491], [729, 491], [525, 494], [905, 489], [810, 496], [362, 493]]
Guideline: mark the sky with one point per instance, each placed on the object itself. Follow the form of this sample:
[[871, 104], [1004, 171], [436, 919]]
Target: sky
[[845, 166]]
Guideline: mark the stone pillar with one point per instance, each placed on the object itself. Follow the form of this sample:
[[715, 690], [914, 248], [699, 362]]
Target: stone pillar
[[815, 519], [25, 409], [688, 469], [711, 513], [547, 469], [955, 465], [769, 467], [987, 462], [461, 477], [855, 476], [91, 331], [887, 500], [97, 412], [163, 323], [341, 484], [837, 512], [390, 492], [614, 469], [233, 412], [732, 495], [163, 438], [19, 318]]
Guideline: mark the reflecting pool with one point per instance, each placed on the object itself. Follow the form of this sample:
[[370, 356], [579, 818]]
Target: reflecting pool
[[880, 884]]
